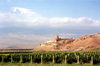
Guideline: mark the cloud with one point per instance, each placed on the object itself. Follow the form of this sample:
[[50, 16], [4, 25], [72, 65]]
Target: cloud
[[74, 22], [22, 11], [22, 17]]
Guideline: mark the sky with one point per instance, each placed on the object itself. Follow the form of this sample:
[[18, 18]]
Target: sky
[[28, 23]]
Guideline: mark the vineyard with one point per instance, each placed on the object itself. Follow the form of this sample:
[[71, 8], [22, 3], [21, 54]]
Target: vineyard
[[52, 57]]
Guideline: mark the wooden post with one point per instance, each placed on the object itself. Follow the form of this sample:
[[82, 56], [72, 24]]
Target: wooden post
[[41, 59], [65, 59], [49, 55], [84, 54], [87, 56], [68, 54], [53, 59], [11, 59], [21, 59], [91, 59], [46, 55], [75, 55], [31, 59], [2, 59], [77, 59]]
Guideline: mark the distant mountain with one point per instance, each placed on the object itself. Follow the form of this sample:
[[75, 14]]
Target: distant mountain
[[87, 42]]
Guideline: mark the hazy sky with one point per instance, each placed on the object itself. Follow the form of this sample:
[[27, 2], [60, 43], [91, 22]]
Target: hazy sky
[[27, 23]]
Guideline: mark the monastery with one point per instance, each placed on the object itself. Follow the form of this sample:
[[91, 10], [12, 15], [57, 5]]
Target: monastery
[[53, 42]]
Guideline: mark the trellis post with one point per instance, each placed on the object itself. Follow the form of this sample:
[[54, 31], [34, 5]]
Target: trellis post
[[41, 59], [2, 59], [53, 59], [11, 59], [77, 59], [31, 59], [91, 59], [21, 59], [65, 59]]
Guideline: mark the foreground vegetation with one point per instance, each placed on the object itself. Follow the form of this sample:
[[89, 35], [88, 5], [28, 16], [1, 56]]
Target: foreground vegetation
[[46, 64], [48, 58]]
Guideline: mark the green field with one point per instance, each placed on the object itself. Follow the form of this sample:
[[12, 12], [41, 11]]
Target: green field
[[87, 58]]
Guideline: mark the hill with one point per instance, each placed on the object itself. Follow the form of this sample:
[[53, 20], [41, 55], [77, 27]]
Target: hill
[[87, 42]]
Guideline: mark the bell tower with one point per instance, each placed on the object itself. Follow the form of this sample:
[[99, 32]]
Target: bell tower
[[57, 38]]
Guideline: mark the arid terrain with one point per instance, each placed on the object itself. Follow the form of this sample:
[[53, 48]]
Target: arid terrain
[[87, 42]]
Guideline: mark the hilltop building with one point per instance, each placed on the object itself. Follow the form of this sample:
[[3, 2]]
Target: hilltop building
[[51, 41], [55, 41], [57, 38]]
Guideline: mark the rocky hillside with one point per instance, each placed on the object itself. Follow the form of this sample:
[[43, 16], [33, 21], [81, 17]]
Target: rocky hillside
[[87, 42]]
